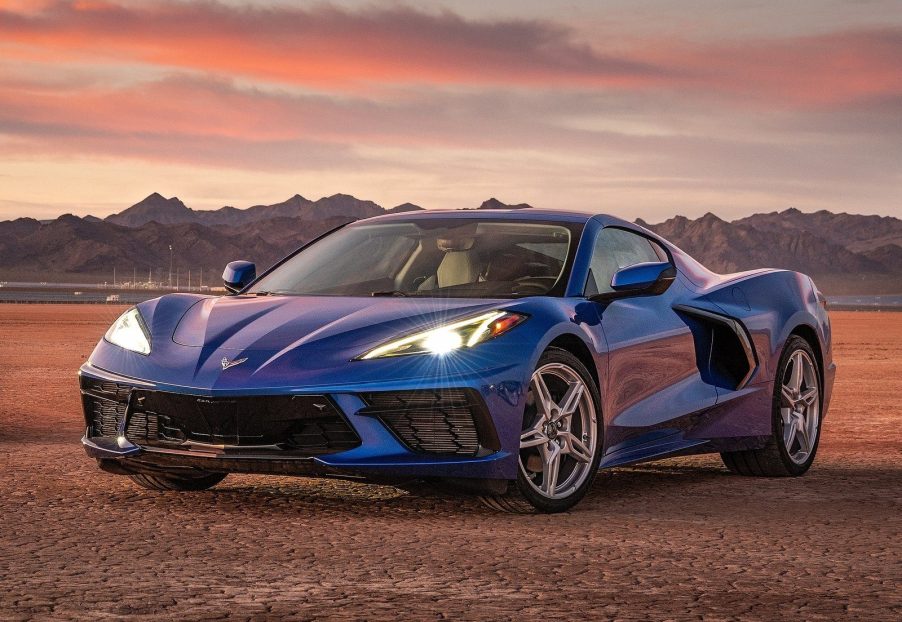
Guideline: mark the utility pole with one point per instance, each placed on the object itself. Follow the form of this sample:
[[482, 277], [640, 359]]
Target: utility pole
[[189, 279], [170, 266]]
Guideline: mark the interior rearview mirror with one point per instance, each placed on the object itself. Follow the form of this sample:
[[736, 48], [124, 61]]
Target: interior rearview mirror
[[238, 275], [642, 279]]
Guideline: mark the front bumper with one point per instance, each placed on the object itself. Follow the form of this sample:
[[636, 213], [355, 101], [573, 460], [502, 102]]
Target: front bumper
[[251, 436], [104, 447]]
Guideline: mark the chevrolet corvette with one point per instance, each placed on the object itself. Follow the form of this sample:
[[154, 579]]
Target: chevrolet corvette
[[511, 354]]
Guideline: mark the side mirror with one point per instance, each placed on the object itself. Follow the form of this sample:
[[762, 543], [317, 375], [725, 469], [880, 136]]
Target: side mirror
[[641, 279], [237, 275]]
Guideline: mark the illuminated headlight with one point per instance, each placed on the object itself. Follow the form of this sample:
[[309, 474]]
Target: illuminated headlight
[[129, 332], [449, 337]]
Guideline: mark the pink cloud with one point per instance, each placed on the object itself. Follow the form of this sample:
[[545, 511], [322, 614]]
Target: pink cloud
[[808, 71], [320, 46], [332, 48]]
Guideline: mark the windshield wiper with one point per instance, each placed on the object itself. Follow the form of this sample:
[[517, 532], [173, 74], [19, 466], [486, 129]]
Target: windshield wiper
[[388, 293]]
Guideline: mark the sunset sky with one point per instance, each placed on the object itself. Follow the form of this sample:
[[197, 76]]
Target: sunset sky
[[636, 108]]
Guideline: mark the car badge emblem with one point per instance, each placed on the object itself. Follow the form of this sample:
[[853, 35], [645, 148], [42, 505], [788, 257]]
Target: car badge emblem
[[320, 407], [226, 363]]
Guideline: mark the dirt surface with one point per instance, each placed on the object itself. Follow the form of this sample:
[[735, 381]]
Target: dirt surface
[[680, 539]]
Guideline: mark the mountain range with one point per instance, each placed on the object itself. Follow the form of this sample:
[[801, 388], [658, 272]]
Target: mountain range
[[845, 253]]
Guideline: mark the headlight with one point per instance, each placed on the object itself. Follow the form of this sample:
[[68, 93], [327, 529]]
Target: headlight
[[129, 332], [462, 334]]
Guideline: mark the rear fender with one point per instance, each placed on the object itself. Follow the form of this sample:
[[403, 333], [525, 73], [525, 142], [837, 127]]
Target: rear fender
[[772, 305]]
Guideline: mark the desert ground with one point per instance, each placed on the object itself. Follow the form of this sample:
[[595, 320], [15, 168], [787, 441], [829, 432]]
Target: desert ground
[[679, 539]]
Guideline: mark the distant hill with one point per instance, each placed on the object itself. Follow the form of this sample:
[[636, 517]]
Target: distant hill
[[494, 203], [404, 207], [845, 253], [137, 239], [74, 246], [729, 247], [156, 208], [852, 231], [867, 261]]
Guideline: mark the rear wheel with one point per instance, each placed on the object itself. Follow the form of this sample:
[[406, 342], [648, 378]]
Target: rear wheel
[[796, 419], [560, 442], [158, 481]]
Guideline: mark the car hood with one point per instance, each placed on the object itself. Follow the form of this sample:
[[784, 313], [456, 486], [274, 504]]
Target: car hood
[[272, 323], [276, 342]]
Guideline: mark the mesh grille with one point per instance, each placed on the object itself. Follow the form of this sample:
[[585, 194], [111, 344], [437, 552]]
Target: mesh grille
[[106, 415], [442, 421], [323, 435]]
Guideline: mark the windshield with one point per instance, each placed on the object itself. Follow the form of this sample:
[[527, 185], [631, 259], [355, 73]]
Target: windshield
[[453, 257]]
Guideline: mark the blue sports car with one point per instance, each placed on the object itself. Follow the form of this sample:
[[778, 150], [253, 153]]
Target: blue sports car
[[507, 353]]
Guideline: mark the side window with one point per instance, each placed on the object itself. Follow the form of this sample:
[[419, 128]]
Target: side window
[[659, 251], [615, 249]]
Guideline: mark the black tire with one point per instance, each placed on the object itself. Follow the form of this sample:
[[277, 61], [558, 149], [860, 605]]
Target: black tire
[[773, 459], [155, 481], [521, 497]]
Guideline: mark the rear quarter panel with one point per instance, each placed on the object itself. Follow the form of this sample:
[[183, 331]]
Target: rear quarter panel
[[772, 305]]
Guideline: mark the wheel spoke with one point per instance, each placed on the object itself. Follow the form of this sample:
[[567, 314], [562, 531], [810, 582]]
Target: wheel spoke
[[809, 396], [804, 440], [789, 432], [786, 416], [570, 401], [788, 397], [795, 377], [543, 396], [552, 465], [574, 446], [533, 437]]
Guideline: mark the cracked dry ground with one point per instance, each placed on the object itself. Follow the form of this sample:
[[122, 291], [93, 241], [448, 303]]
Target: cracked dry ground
[[680, 539]]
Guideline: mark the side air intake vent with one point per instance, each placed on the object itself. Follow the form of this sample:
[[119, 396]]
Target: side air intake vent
[[723, 350]]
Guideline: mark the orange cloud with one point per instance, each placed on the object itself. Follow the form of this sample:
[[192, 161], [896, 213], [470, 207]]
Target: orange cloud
[[331, 48], [320, 46]]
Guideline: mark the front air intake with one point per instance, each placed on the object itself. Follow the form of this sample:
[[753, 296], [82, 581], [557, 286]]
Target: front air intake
[[436, 421], [289, 425]]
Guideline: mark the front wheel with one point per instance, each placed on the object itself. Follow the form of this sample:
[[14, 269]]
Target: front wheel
[[796, 419], [561, 438], [165, 481]]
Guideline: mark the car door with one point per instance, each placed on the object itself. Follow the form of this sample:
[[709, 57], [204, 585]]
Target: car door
[[653, 390]]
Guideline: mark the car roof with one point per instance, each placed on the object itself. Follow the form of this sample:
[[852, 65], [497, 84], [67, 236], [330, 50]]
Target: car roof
[[530, 213]]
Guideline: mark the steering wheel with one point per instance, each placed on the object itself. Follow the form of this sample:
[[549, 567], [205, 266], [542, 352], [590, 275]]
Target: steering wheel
[[533, 285]]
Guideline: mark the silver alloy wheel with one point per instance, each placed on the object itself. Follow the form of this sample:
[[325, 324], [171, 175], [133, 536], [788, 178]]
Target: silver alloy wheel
[[800, 407], [558, 444]]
